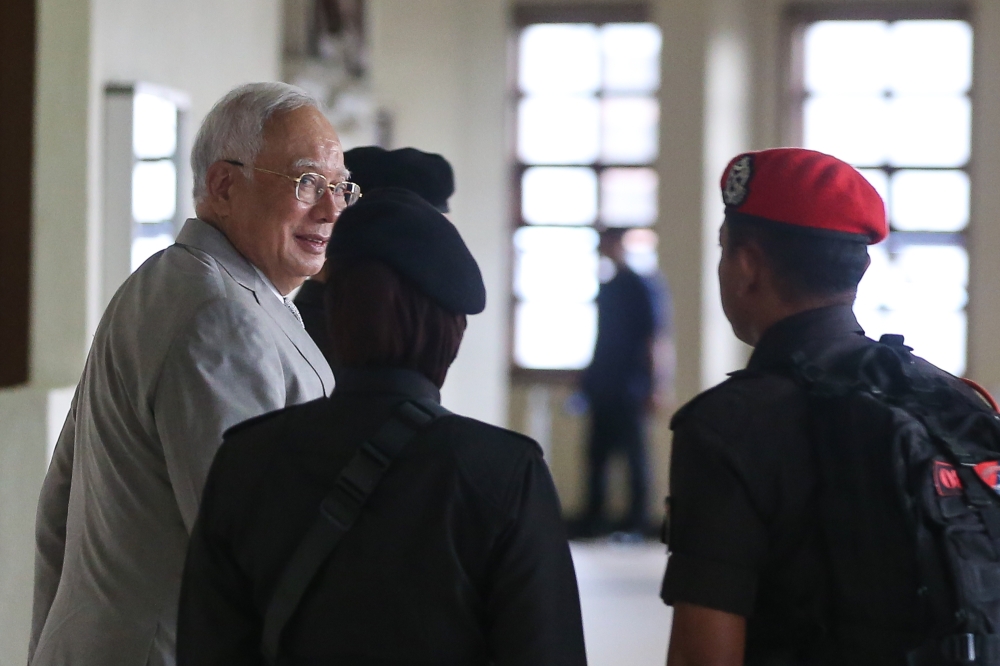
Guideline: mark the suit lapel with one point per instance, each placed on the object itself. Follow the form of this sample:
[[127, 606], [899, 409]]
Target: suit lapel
[[203, 236], [292, 329]]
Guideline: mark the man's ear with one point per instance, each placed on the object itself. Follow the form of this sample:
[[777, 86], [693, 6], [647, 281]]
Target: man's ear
[[751, 267], [219, 181]]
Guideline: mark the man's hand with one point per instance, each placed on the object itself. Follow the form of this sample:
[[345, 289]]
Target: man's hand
[[705, 637]]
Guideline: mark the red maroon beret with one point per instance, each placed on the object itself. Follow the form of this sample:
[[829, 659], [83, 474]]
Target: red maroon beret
[[806, 189]]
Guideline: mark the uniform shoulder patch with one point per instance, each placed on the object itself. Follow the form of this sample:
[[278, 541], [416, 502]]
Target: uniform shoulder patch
[[738, 181], [494, 433]]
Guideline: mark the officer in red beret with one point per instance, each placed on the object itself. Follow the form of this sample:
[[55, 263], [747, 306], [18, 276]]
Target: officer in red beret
[[750, 575]]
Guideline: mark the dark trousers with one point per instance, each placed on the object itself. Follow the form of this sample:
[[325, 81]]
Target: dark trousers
[[618, 426]]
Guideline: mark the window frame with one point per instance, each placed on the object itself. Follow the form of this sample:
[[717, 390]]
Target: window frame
[[796, 18], [524, 16]]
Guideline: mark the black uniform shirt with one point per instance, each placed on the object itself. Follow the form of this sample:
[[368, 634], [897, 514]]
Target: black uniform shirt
[[626, 322], [744, 521], [309, 301], [460, 556]]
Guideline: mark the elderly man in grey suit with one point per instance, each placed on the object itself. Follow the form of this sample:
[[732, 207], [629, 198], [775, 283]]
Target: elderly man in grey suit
[[201, 337]]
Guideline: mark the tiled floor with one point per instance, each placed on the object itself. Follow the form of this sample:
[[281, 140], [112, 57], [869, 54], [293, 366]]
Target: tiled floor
[[624, 621]]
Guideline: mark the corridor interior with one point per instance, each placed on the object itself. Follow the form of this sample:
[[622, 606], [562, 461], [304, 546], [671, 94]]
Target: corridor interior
[[624, 620]]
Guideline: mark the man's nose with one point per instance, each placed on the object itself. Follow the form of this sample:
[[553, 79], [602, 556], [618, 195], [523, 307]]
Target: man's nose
[[325, 211]]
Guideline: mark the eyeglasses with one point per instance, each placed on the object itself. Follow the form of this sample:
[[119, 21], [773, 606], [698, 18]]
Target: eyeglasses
[[309, 187]]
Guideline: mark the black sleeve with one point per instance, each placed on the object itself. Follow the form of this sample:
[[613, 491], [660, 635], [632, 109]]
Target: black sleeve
[[533, 606], [217, 622], [718, 540]]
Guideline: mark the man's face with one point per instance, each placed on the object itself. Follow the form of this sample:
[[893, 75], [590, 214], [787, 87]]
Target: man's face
[[284, 237], [732, 279]]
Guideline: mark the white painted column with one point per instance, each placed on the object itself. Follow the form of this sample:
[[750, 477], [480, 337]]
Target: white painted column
[[984, 229], [440, 68], [706, 119]]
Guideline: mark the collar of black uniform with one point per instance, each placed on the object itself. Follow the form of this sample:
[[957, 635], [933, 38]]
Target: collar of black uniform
[[409, 383], [311, 291], [784, 338]]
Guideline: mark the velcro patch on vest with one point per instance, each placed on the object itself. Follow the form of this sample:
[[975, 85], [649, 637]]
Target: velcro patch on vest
[[989, 472], [946, 480]]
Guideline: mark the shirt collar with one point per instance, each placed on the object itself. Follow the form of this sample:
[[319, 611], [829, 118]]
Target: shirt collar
[[793, 333], [268, 283], [409, 383]]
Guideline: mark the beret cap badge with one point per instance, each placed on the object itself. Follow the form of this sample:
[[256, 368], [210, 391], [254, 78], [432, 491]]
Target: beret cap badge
[[735, 191]]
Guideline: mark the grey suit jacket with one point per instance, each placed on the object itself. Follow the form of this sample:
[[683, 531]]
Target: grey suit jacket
[[193, 343]]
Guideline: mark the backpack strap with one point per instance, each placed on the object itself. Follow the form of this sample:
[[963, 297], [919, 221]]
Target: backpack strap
[[983, 393], [338, 511], [957, 649]]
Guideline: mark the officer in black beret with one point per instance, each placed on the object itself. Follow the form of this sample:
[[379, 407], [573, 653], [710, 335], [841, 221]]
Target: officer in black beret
[[374, 527], [427, 174]]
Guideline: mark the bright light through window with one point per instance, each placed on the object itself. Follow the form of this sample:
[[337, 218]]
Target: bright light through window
[[892, 98], [154, 127], [155, 131], [588, 122], [555, 265], [559, 195], [145, 247], [154, 191]]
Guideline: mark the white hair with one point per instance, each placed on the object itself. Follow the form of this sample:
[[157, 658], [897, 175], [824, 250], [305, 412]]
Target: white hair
[[234, 128]]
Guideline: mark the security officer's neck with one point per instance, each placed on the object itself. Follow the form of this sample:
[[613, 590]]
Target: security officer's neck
[[777, 308]]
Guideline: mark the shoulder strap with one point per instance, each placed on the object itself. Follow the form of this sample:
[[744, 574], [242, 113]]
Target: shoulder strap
[[339, 510]]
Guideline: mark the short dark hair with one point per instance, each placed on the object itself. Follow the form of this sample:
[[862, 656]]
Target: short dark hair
[[378, 319], [806, 264], [613, 234]]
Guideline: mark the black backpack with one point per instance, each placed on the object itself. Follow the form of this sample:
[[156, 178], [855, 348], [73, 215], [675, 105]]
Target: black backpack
[[909, 485]]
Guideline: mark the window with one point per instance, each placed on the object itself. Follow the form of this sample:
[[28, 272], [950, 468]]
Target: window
[[587, 137], [146, 180], [154, 174], [143, 126], [892, 97]]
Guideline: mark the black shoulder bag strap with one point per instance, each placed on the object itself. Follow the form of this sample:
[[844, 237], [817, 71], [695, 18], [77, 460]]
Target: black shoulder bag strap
[[339, 510]]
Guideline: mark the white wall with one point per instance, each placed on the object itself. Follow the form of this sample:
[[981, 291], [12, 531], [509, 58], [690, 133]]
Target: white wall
[[728, 131], [440, 68], [984, 231], [24, 435], [61, 193]]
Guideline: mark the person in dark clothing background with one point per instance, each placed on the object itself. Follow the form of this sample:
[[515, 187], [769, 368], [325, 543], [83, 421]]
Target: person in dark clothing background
[[459, 555], [619, 386], [427, 174]]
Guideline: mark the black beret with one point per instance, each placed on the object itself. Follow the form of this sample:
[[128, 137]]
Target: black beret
[[427, 174], [404, 231]]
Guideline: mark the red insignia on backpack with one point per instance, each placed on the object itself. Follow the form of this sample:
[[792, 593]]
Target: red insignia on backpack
[[946, 480], [989, 472]]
